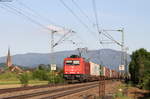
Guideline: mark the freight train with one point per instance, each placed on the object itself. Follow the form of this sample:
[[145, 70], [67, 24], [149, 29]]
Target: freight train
[[78, 68]]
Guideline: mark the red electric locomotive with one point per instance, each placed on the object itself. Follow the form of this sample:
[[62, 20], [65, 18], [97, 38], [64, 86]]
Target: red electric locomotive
[[76, 68]]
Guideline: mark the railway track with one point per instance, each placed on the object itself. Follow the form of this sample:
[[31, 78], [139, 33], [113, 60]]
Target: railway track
[[69, 92], [9, 90], [55, 93]]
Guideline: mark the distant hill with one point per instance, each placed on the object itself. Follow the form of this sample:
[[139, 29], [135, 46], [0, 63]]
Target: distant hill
[[107, 57]]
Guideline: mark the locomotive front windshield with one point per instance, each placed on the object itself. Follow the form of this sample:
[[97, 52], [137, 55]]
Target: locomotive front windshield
[[72, 62]]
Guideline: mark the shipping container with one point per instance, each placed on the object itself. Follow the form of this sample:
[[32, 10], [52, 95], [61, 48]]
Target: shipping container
[[107, 72], [110, 74], [94, 69]]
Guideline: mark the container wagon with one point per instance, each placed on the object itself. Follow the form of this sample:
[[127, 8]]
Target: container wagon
[[94, 71], [106, 72]]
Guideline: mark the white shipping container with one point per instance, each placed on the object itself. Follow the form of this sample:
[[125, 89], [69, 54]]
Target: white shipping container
[[94, 69], [104, 71], [110, 73]]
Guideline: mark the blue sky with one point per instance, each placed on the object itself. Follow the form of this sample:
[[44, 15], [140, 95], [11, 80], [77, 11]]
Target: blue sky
[[24, 36]]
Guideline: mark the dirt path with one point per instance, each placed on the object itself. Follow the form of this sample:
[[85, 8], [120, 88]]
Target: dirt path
[[10, 86]]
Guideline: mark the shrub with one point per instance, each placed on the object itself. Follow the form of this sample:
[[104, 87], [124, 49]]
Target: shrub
[[24, 79], [56, 79], [40, 74]]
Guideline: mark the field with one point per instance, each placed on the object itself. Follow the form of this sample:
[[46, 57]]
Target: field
[[13, 84], [11, 80]]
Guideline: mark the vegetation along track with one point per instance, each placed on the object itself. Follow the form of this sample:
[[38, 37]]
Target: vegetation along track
[[68, 90]]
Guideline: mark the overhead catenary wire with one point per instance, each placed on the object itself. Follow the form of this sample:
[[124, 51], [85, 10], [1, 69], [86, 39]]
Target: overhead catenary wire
[[39, 15], [86, 26], [81, 11], [100, 31], [112, 39], [62, 39], [96, 16], [107, 35], [32, 17], [97, 26], [27, 17], [76, 16], [9, 10], [20, 12]]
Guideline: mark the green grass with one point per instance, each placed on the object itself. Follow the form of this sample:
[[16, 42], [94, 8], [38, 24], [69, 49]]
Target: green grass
[[122, 86], [9, 82], [37, 82], [119, 95], [8, 76], [33, 82]]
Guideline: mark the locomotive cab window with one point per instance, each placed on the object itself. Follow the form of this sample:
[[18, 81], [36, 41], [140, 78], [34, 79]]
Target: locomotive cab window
[[68, 62], [76, 63]]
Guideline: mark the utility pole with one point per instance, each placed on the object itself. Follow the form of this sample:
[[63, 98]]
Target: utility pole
[[53, 66], [54, 30], [121, 44], [122, 48], [126, 61]]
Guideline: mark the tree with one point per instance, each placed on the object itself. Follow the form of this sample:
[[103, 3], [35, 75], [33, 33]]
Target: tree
[[140, 66]]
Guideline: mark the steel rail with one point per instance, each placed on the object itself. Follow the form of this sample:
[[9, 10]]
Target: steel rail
[[8, 90], [69, 92], [47, 92]]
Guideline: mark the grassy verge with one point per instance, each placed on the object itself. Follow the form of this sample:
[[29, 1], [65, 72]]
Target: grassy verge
[[9, 82], [32, 82], [125, 91], [120, 94]]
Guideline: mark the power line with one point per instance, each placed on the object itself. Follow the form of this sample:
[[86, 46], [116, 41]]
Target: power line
[[27, 17], [78, 19], [37, 14], [8, 10], [30, 16], [83, 13], [96, 16], [23, 13], [97, 24]]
